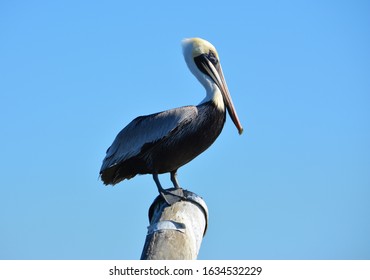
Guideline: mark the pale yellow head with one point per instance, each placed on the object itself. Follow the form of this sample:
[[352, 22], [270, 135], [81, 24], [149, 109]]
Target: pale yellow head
[[197, 46]]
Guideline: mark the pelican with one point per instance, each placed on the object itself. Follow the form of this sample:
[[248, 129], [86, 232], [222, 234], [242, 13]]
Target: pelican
[[163, 142]]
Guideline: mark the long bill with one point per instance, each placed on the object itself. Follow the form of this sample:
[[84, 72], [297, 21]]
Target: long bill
[[218, 77]]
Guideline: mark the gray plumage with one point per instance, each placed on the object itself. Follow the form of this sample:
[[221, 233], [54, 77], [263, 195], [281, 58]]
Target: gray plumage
[[142, 131]]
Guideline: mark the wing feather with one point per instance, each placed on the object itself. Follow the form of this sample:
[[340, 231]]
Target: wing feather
[[144, 130]]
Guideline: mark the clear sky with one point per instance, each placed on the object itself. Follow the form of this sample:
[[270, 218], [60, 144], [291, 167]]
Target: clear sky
[[295, 185]]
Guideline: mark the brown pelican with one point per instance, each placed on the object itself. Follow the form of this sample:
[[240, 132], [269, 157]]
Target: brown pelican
[[165, 141]]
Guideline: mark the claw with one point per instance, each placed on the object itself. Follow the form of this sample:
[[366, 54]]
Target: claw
[[171, 196]]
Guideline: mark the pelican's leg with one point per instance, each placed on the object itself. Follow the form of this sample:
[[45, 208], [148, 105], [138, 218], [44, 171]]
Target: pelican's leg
[[174, 179], [171, 197], [159, 186]]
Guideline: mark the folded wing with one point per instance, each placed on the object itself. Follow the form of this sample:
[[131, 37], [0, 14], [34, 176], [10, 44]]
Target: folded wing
[[145, 130]]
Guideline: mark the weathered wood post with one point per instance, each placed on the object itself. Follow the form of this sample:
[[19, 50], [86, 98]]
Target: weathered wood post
[[176, 231]]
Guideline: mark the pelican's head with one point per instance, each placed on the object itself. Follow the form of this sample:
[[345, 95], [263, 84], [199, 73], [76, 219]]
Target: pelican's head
[[203, 61]]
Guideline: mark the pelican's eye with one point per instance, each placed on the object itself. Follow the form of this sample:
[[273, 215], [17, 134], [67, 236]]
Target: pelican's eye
[[212, 58], [201, 62]]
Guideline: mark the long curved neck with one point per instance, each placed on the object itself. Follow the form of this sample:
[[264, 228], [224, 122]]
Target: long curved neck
[[213, 94]]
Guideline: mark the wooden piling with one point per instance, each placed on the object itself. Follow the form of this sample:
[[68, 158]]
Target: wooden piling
[[176, 231]]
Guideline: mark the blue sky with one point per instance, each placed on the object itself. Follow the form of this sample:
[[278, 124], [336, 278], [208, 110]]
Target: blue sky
[[295, 185]]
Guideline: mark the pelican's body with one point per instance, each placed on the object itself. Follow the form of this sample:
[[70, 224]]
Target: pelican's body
[[183, 134], [165, 141]]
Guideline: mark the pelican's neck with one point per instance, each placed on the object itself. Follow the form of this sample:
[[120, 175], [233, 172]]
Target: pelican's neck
[[214, 95]]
